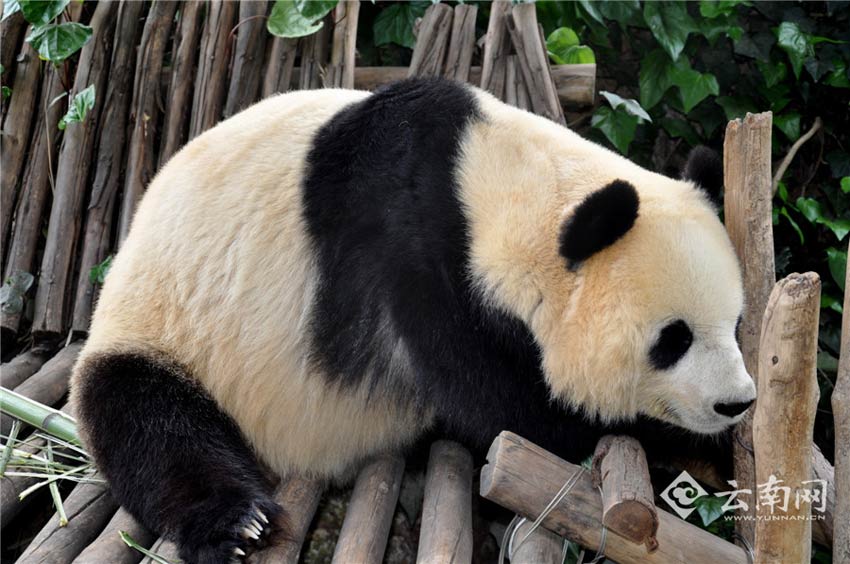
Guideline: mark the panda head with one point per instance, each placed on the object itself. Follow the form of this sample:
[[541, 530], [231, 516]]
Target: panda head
[[654, 301]]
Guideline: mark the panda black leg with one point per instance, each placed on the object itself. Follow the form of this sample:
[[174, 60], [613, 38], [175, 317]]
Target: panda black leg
[[172, 458]]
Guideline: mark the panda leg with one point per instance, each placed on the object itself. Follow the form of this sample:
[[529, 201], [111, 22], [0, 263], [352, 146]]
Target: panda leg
[[172, 458]]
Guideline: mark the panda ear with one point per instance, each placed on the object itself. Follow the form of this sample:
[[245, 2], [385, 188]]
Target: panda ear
[[705, 169], [598, 222]]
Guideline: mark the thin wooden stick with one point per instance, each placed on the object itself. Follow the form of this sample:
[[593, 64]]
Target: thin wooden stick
[[108, 164], [841, 413], [108, 546], [525, 478], [748, 207], [246, 68], [429, 53], [461, 43], [792, 152], [785, 416], [299, 498], [279, 66], [446, 531], [341, 69], [363, 538], [314, 56], [497, 47]]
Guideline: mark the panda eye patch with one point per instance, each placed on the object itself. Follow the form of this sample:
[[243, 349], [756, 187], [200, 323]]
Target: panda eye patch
[[672, 344]]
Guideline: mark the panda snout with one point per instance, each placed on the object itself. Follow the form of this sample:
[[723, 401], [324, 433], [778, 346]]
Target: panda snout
[[733, 409]]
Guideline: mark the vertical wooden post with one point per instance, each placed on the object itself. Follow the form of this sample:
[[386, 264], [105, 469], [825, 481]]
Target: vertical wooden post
[[497, 48], [314, 56], [245, 70], [446, 532], [748, 207], [341, 70], [462, 43], [279, 65], [784, 420], [429, 54], [841, 413]]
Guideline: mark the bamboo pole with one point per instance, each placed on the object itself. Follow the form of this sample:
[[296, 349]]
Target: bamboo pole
[[841, 413], [628, 506], [785, 415], [429, 53], [446, 531], [247, 63], [747, 210], [541, 547], [524, 478], [100, 215], [211, 81], [299, 498], [141, 150], [108, 546], [341, 69], [461, 43], [178, 104], [280, 63], [363, 538], [497, 48]]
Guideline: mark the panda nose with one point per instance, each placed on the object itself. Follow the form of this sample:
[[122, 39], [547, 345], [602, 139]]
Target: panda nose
[[732, 409]]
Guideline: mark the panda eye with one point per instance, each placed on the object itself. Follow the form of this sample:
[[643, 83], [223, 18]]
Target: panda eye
[[672, 344]]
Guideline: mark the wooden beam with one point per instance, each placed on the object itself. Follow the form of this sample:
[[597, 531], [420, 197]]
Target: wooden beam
[[314, 56], [785, 416], [429, 53], [247, 65], [748, 206], [841, 413], [541, 547], [109, 547], [279, 66], [165, 549], [17, 370], [524, 478], [363, 538], [497, 48], [343, 48], [299, 498], [461, 43], [446, 532]]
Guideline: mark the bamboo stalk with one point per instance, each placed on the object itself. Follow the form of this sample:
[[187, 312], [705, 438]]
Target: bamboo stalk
[[785, 415], [247, 63], [49, 420], [178, 104], [363, 538], [429, 53], [299, 498], [524, 478], [841, 413], [341, 68], [141, 152], [108, 546]]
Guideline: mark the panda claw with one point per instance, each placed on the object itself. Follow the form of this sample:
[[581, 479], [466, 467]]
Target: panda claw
[[263, 517], [249, 533], [256, 525], [238, 551]]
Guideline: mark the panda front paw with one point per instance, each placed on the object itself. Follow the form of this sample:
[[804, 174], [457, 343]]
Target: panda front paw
[[235, 537]]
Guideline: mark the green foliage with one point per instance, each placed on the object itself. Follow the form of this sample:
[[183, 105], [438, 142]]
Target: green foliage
[[79, 108], [97, 274], [54, 42], [14, 290], [394, 23], [670, 23], [564, 48], [297, 18], [40, 12], [710, 508]]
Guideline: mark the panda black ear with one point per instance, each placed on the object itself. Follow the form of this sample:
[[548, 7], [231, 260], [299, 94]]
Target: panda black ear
[[598, 222], [705, 169]]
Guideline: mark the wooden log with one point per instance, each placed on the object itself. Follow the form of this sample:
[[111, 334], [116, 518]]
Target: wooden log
[[211, 81], [49, 384], [11, 35], [89, 507], [178, 104], [280, 63], [164, 549], [247, 64], [841, 413], [823, 530], [108, 546], [534, 62], [341, 69], [747, 211], [524, 478], [17, 370], [429, 53], [299, 498], [108, 162], [497, 48], [38, 174], [446, 531], [785, 416], [628, 506], [541, 547], [314, 56], [141, 152], [57, 265], [17, 129], [364, 534], [461, 43]]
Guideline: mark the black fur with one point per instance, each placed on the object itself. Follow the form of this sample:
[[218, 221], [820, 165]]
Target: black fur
[[598, 222], [705, 169], [171, 457], [381, 205], [672, 344]]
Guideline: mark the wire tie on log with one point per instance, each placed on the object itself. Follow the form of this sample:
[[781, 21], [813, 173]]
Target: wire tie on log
[[600, 552], [517, 521], [739, 440], [747, 546]]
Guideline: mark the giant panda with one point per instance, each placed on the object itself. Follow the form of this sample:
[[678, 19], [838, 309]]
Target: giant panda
[[330, 274]]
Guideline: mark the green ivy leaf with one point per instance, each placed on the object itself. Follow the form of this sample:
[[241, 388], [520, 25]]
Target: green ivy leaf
[[10, 7], [315, 9], [756, 46], [286, 19], [670, 24], [680, 128], [694, 86], [812, 210], [618, 127], [40, 12], [837, 261], [559, 42], [624, 12], [736, 106], [79, 107], [795, 43], [590, 8], [579, 55], [833, 303], [838, 77], [655, 78], [13, 291], [628, 105], [715, 8], [710, 508], [784, 213], [97, 274], [57, 42], [845, 184], [789, 124], [395, 23], [773, 73], [6, 91]]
